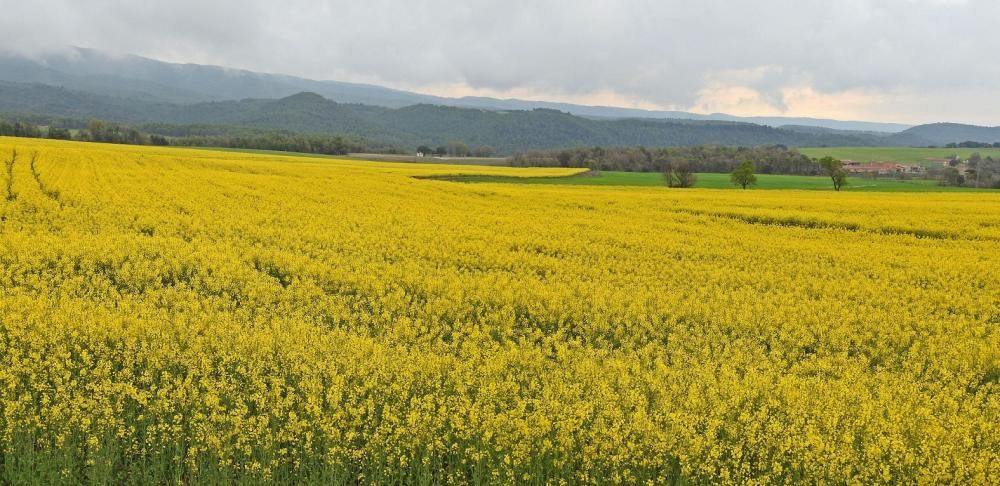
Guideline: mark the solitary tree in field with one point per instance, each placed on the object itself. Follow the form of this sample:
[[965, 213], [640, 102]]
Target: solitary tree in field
[[835, 169], [679, 174], [743, 175]]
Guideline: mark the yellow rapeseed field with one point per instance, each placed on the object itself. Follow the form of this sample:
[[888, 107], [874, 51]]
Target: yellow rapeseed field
[[193, 316]]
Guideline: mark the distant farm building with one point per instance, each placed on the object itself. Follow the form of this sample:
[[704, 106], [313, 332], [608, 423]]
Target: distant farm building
[[880, 168]]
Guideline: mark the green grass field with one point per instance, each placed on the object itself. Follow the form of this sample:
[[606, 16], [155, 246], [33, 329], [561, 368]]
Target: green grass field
[[903, 155], [705, 180], [721, 181]]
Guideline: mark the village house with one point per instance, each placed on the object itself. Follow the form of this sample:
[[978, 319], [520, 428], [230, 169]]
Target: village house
[[880, 168]]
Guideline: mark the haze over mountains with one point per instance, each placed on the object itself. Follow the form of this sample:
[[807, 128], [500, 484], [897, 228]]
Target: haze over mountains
[[134, 76], [83, 83]]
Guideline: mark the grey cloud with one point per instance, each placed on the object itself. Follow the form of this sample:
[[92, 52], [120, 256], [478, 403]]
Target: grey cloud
[[658, 52]]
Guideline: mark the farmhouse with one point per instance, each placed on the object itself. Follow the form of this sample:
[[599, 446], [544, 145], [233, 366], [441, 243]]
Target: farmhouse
[[880, 168]]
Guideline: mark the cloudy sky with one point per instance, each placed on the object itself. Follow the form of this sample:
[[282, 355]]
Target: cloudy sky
[[908, 61]]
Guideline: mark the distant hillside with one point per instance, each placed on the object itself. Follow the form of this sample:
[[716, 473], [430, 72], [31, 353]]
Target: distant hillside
[[902, 139], [98, 72], [618, 113], [945, 133], [832, 131], [60, 102], [127, 76], [507, 131]]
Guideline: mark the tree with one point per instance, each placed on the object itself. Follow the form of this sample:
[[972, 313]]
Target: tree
[[835, 169], [951, 177], [59, 133], [425, 150], [458, 149], [678, 173], [441, 151], [743, 175], [97, 131], [484, 151], [988, 172], [974, 160], [564, 158]]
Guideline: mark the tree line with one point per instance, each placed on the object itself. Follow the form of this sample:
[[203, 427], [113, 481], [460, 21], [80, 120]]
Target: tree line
[[193, 136], [276, 141], [20, 129], [92, 131], [769, 159], [457, 149], [971, 144]]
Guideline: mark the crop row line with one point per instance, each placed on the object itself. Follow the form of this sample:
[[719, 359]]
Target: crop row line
[[10, 175], [49, 192]]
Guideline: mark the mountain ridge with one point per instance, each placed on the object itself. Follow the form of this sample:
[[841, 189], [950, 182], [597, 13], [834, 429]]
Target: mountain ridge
[[508, 132], [130, 75], [86, 84]]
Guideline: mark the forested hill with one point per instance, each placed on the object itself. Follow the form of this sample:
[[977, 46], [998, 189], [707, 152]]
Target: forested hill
[[945, 133], [507, 131]]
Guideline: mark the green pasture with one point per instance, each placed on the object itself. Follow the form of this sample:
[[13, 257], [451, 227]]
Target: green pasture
[[719, 181], [904, 155]]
